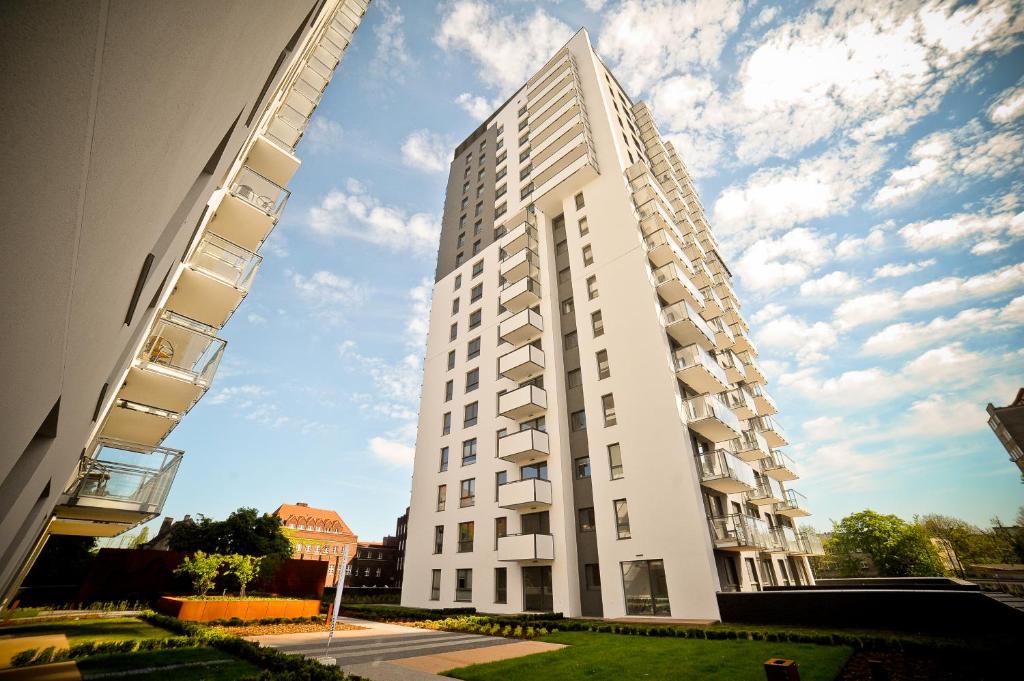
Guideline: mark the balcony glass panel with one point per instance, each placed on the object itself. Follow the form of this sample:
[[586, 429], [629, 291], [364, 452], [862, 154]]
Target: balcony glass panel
[[260, 192], [182, 348], [711, 418], [136, 476], [698, 369], [750, 446], [225, 261], [683, 313], [722, 471], [737, 531]]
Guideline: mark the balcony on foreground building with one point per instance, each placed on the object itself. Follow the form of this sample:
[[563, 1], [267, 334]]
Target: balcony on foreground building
[[751, 367], [526, 547], [217, 278], [808, 543], [743, 342], [528, 495], [750, 446], [721, 471], [523, 446], [522, 364], [770, 429], [724, 339], [762, 400], [522, 263], [708, 416], [521, 404], [732, 366], [741, 402], [523, 327], [674, 286], [686, 326], [784, 540], [793, 505], [662, 249], [713, 308], [520, 295], [248, 211], [738, 532], [134, 422], [523, 235], [695, 367], [765, 493], [272, 159], [779, 467]]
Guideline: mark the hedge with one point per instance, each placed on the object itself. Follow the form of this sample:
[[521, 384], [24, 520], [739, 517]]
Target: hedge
[[239, 622]]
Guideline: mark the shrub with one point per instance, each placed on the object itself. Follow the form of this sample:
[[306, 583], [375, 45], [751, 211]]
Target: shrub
[[202, 569], [23, 658]]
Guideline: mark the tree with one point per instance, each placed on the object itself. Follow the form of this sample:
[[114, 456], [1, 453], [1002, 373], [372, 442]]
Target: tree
[[242, 568], [972, 544], [897, 548], [244, 532], [202, 569], [139, 539]]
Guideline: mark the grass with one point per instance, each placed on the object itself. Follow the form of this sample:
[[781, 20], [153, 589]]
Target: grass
[[232, 669], [96, 629], [612, 657]]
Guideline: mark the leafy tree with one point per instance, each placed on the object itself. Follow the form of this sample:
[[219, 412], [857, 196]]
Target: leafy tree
[[242, 568], [972, 544], [244, 532], [202, 569], [139, 539], [898, 548]]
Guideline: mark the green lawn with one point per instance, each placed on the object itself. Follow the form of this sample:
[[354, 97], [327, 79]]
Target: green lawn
[[232, 669], [97, 629], [612, 657]]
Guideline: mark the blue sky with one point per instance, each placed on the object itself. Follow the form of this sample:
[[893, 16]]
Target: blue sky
[[860, 162]]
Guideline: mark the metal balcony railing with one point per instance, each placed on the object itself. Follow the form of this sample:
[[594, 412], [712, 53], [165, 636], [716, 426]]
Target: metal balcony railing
[[739, 531], [721, 469], [705, 407], [693, 356], [137, 476], [182, 348], [226, 261], [259, 192]]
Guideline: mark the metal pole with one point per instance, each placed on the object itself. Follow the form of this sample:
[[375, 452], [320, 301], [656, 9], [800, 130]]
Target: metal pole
[[337, 606]]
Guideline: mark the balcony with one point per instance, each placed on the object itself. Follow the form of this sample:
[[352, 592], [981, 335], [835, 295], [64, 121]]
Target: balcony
[[793, 505], [526, 547], [751, 368], [763, 401], [722, 286], [734, 369], [674, 286], [686, 326], [524, 446], [692, 248], [750, 446], [520, 295], [524, 403], [770, 430], [739, 532], [248, 211], [713, 308], [779, 467], [721, 471], [522, 364], [272, 160], [740, 401], [523, 327], [217, 278], [732, 313], [809, 543], [724, 339], [662, 249], [524, 263], [765, 493], [708, 416], [743, 343], [524, 235], [532, 494], [134, 422], [695, 367], [702, 276], [175, 366], [121, 485], [784, 540]]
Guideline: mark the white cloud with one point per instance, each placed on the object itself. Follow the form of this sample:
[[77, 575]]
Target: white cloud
[[479, 108], [595, 5], [391, 58], [769, 311], [392, 451], [238, 393], [867, 308], [329, 294], [507, 48], [355, 214], [427, 151], [806, 342], [833, 284], [256, 319], [1008, 106], [892, 270], [964, 227], [323, 135], [939, 415], [823, 428], [418, 323], [988, 246], [765, 16], [769, 264], [857, 247]]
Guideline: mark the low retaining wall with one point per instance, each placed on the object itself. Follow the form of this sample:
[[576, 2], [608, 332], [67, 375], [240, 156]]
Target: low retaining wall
[[249, 609], [889, 583]]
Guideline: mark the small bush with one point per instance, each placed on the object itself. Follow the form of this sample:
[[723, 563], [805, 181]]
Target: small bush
[[23, 658]]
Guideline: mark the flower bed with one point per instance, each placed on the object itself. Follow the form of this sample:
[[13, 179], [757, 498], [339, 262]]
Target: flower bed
[[205, 610]]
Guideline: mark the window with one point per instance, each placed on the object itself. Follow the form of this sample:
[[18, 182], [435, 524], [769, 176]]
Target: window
[[449, 390], [480, 189], [597, 323], [501, 173], [561, 247], [435, 585], [446, 423], [453, 332], [593, 575], [473, 349], [475, 319], [567, 306], [476, 293], [442, 493], [480, 174], [444, 459], [464, 585], [524, 154], [608, 407], [615, 460], [500, 478], [582, 467], [465, 199], [579, 201], [451, 360], [500, 192], [564, 275], [523, 123], [621, 519], [466, 537], [469, 450], [603, 370], [472, 380], [526, 191], [578, 420], [477, 226], [570, 340], [574, 378], [592, 287], [525, 172], [501, 585], [501, 158], [584, 227], [500, 530], [438, 539], [479, 210], [534, 471], [459, 259], [471, 414], [588, 255], [645, 587], [467, 493], [458, 282], [586, 519], [476, 247], [478, 268]]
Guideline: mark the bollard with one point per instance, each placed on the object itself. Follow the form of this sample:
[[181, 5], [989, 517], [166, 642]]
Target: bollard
[[777, 669]]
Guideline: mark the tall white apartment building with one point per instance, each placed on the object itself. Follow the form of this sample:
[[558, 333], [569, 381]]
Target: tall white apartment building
[[595, 437], [147, 147]]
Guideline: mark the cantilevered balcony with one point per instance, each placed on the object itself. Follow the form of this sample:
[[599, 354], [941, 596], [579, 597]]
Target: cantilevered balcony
[[121, 485], [793, 505], [784, 540], [248, 211], [732, 312], [290, 120], [743, 342], [531, 494], [526, 547], [691, 247], [520, 295], [524, 403], [739, 532], [702, 276], [696, 368], [740, 401], [663, 249], [686, 326], [734, 369], [771, 430], [751, 368], [674, 286], [724, 339], [523, 235], [217, 278], [765, 492], [723, 287], [141, 423], [808, 543], [708, 416], [524, 446], [523, 327], [522, 364], [750, 446], [272, 160], [523, 263], [721, 471], [175, 366], [762, 400], [779, 467]]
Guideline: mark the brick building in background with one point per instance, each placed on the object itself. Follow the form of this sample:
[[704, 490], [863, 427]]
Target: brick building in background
[[317, 534], [379, 564]]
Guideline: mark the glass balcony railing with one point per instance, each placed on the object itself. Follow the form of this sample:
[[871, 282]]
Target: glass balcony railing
[[723, 334], [810, 542], [683, 312], [259, 192], [696, 357], [182, 348], [793, 504], [779, 466], [771, 430], [741, 402], [707, 415], [720, 470], [750, 446], [131, 477], [673, 283], [739, 531], [225, 261]]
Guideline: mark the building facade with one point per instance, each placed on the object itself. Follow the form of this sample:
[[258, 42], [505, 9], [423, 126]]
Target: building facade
[[595, 436], [375, 564], [318, 534], [146, 162], [401, 533], [1008, 425]]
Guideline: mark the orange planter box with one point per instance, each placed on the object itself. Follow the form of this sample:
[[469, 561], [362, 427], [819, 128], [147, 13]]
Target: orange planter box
[[249, 609]]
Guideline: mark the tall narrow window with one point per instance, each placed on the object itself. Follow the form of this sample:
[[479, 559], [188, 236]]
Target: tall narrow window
[[501, 585], [597, 323], [500, 478], [621, 519], [475, 318], [574, 378], [473, 349], [467, 493], [446, 423], [570, 341], [458, 281], [478, 268], [438, 539], [564, 275], [584, 227], [579, 201], [453, 332], [444, 459], [582, 467], [592, 287], [586, 519], [472, 380], [603, 370], [455, 306], [471, 414], [442, 493], [608, 407], [451, 360], [567, 306], [500, 530], [615, 461], [435, 585], [449, 390], [464, 585], [578, 420], [466, 537], [469, 451], [588, 255], [476, 293]]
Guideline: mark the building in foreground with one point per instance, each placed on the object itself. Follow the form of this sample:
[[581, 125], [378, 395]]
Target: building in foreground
[[595, 436], [147, 150], [1008, 425]]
